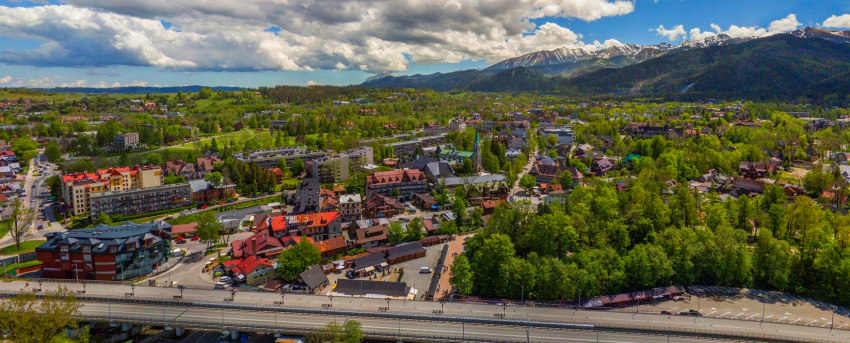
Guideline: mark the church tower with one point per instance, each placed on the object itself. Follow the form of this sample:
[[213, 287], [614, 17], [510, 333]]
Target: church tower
[[476, 153]]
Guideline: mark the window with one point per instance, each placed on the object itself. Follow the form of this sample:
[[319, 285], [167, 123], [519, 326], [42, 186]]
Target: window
[[87, 249], [63, 248]]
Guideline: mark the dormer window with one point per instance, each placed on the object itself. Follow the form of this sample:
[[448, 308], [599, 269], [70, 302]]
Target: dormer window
[[87, 249]]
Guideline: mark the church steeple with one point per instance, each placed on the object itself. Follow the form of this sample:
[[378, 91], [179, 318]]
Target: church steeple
[[476, 153]]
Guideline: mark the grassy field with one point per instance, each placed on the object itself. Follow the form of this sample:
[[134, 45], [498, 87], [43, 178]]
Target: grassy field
[[16, 266], [4, 229], [26, 246]]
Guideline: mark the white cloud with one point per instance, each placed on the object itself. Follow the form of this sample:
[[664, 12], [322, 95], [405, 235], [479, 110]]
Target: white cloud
[[78, 83], [606, 44], [696, 35], [841, 22], [786, 24], [370, 35], [313, 83], [6, 79], [673, 34]]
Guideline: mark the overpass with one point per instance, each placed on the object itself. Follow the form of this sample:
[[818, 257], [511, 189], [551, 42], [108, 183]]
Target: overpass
[[410, 320]]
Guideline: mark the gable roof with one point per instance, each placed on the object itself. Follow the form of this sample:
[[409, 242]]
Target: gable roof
[[314, 277]]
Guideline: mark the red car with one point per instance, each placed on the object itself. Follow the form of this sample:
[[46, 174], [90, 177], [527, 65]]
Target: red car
[[195, 238], [222, 203], [204, 207]]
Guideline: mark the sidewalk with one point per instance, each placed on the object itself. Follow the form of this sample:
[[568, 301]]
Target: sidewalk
[[455, 248]]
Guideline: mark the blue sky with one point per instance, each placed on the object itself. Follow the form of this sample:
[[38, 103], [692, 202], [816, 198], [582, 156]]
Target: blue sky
[[99, 43]]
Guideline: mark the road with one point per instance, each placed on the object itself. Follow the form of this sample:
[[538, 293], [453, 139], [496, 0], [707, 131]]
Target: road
[[364, 306], [37, 193], [285, 321]]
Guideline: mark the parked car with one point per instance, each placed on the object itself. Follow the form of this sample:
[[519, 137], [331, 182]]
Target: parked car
[[220, 285], [195, 238], [425, 270], [349, 274]]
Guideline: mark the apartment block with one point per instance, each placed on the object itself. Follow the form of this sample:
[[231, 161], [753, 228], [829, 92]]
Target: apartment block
[[109, 253], [407, 148], [329, 169], [77, 187], [125, 141], [141, 200], [404, 183], [268, 158], [360, 157]]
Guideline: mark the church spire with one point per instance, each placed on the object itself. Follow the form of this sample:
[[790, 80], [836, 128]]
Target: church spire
[[476, 153]]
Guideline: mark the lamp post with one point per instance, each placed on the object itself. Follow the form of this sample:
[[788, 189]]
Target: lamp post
[[388, 304], [76, 274], [39, 286], [84, 287], [181, 291], [133, 289], [282, 296]]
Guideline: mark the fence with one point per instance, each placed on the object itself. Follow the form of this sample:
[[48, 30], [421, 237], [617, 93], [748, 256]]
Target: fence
[[27, 256]]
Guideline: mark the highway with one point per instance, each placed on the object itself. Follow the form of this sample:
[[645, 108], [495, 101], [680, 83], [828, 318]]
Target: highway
[[366, 310]]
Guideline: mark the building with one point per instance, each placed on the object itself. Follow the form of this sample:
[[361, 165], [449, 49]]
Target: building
[[329, 169], [601, 165], [456, 157], [373, 289], [260, 244], [77, 187], [566, 136], [315, 279], [252, 270], [405, 252], [476, 153], [205, 192], [317, 226], [360, 157], [546, 173], [351, 207], [109, 253], [755, 170], [141, 200], [379, 206], [125, 141], [368, 233], [269, 158], [397, 183], [425, 201], [306, 199], [277, 174], [407, 148], [184, 169], [205, 165], [331, 247], [183, 230]]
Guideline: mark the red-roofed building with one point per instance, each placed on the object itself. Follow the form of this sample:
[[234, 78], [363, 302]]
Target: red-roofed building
[[254, 271], [184, 230], [260, 244], [406, 182], [379, 206], [76, 187], [331, 247], [318, 226]]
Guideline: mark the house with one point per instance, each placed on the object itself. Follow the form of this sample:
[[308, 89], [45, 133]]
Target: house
[[306, 199], [368, 233], [601, 165], [748, 187], [277, 174], [315, 279], [425, 201], [841, 157], [432, 225], [490, 205], [546, 173], [184, 169], [205, 192], [331, 247], [317, 226], [351, 207], [379, 206], [260, 244], [755, 170], [434, 171], [328, 201], [183, 230], [366, 264], [254, 271], [205, 165]]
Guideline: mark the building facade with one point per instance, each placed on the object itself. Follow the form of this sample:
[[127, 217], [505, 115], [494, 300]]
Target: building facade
[[397, 183], [77, 187], [351, 207], [329, 169], [268, 158], [205, 192], [142, 200], [125, 141], [110, 253]]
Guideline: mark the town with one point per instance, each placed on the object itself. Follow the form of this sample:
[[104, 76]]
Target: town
[[415, 195]]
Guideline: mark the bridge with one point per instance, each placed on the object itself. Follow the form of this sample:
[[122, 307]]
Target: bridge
[[408, 320]]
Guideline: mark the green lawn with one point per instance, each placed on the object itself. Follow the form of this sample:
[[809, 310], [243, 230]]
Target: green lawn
[[16, 266], [4, 228], [25, 247]]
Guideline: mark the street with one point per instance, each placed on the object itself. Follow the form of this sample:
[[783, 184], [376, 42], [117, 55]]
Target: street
[[37, 194]]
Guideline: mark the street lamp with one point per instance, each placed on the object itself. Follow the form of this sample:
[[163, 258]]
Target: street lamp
[[84, 287], [76, 274], [133, 289], [282, 294], [181, 291], [388, 304], [39, 286]]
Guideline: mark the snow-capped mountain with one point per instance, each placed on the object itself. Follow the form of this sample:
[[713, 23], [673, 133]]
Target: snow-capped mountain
[[830, 35], [573, 55], [721, 39]]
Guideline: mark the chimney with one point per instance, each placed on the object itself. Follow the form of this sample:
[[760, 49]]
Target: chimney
[[254, 246]]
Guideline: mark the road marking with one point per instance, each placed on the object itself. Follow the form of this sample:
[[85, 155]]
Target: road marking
[[750, 317], [768, 317], [811, 322], [781, 319], [798, 319], [721, 316], [710, 313], [824, 325], [737, 315]]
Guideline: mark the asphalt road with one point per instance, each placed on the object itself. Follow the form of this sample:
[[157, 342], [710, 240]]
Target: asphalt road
[[283, 320], [468, 310]]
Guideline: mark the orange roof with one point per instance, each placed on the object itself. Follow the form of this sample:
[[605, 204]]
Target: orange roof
[[248, 264], [330, 244], [312, 220]]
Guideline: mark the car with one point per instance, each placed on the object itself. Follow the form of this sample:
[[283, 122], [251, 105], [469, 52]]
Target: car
[[204, 207], [195, 238], [349, 274], [32, 200], [41, 227], [425, 270], [222, 203]]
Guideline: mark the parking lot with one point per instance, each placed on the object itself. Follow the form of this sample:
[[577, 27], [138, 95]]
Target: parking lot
[[756, 305], [412, 277]]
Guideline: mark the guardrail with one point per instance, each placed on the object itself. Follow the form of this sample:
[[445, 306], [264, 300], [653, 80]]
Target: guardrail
[[328, 311]]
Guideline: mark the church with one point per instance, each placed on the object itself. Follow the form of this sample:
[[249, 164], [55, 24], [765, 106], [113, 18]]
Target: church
[[456, 157]]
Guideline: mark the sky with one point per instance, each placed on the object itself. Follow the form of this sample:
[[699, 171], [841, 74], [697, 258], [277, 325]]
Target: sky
[[253, 43]]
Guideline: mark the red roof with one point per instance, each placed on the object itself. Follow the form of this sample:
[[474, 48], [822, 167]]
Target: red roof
[[395, 176], [184, 228], [330, 244], [248, 264], [245, 246], [311, 220], [295, 240]]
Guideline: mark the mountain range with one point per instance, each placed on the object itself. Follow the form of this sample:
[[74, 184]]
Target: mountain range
[[134, 89], [797, 61]]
